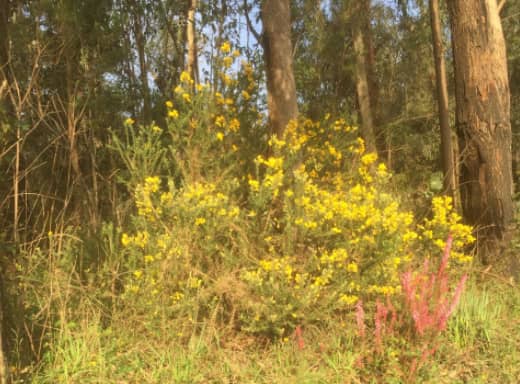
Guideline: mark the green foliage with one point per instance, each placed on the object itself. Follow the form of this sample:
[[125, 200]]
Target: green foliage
[[244, 255], [301, 238], [475, 321]]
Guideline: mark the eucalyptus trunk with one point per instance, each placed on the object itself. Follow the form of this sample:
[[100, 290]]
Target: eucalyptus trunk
[[448, 158], [362, 80], [483, 120], [192, 66], [278, 51]]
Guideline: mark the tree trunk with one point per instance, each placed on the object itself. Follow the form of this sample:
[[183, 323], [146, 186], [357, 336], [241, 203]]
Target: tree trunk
[[277, 45], [373, 87], [4, 57], [140, 43], [192, 66], [483, 119], [4, 60], [4, 37], [362, 84], [448, 161]]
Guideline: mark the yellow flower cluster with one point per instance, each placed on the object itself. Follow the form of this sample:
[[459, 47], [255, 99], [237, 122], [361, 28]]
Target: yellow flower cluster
[[140, 239], [446, 221], [314, 212]]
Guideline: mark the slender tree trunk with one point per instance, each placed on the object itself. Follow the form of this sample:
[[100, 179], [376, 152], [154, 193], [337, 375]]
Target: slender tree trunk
[[4, 60], [373, 87], [4, 37], [192, 66], [483, 120], [362, 83], [3, 365], [141, 55], [370, 56], [277, 45], [4, 55], [448, 159]]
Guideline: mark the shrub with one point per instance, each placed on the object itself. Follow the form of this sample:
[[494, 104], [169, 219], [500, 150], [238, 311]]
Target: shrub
[[299, 231]]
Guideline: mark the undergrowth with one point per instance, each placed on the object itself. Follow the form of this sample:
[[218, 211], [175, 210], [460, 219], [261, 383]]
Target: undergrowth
[[256, 259]]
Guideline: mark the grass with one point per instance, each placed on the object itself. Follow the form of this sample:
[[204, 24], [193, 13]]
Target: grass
[[481, 345], [90, 338]]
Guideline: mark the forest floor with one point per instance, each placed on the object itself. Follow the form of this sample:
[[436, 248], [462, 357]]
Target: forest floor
[[481, 345]]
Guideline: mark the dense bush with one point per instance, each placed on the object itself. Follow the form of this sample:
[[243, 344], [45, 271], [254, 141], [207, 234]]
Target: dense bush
[[287, 235]]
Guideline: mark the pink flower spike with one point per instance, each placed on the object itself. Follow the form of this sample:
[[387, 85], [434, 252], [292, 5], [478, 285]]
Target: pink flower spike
[[446, 255], [458, 293], [298, 334], [380, 321], [360, 318]]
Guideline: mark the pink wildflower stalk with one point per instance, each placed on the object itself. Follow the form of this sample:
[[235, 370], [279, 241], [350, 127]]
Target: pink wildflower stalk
[[380, 321], [360, 319], [392, 310], [426, 295], [455, 301], [298, 334], [445, 256]]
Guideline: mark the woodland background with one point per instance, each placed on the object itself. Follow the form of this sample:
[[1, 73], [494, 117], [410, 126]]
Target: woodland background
[[171, 172]]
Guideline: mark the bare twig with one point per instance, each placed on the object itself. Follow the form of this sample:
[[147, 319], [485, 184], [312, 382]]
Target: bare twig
[[501, 5], [487, 272], [255, 33]]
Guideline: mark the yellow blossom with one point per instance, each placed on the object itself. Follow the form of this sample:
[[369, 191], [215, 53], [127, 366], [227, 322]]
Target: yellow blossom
[[126, 240], [138, 274], [173, 113], [234, 125], [227, 61], [186, 97], [186, 78], [225, 47], [246, 95], [226, 79], [177, 296], [220, 121], [369, 158], [152, 183], [168, 104], [129, 121], [348, 299]]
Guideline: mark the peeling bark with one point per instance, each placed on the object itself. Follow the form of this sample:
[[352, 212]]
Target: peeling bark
[[483, 119]]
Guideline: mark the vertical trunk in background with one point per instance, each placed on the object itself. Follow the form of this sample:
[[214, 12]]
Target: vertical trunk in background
[[373, 87], [277, 45], [362, 84], [483, 119], [4, 56], [448, 161], [140, 43], [4, 38], [192, 66], [370, 56], [4, 59]]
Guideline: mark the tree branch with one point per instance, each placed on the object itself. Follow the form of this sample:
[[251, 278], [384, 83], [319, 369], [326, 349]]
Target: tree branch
[[501, 5], [257, 36]]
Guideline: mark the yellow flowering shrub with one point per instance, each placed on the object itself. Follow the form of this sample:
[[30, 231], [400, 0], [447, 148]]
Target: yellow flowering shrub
[[305, 223], [183, 236], [320, 198]]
